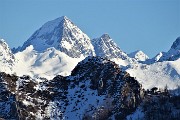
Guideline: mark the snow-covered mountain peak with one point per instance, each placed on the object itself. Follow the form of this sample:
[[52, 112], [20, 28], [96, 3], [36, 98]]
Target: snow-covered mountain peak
[[63, 35], [104, 46], [176, 44], [139, 55]]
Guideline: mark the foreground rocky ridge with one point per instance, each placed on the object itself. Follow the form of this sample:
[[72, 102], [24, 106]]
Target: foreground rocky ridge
[[96, 89], [95, 85]]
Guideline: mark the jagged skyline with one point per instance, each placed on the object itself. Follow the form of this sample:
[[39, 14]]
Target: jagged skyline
[[138, 25]]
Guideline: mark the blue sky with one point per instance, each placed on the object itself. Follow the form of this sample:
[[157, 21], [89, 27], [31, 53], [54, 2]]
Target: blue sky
[[148, 25]]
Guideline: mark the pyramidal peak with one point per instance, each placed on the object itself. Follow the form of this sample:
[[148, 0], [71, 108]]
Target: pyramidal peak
[[64, 20], [63, 35]]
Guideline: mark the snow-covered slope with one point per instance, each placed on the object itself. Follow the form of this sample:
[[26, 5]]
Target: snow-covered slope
[[138, 55], [158, 74], [63, 35], [46, 64], [7, 59], [162, 70]]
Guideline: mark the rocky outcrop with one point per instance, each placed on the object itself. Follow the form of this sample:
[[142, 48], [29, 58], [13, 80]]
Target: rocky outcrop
[[8, 102]]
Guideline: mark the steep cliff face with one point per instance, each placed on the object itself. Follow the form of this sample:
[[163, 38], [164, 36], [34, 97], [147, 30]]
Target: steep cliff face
[[97, 88]]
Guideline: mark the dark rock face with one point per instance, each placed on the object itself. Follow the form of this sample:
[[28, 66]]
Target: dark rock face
[[20, 98], [32, 101], [108, 79], [8, 103], [161, 105], [97, 89]]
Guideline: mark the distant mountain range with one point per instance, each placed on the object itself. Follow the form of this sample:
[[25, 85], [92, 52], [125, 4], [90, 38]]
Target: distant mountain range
[[57, 47]]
